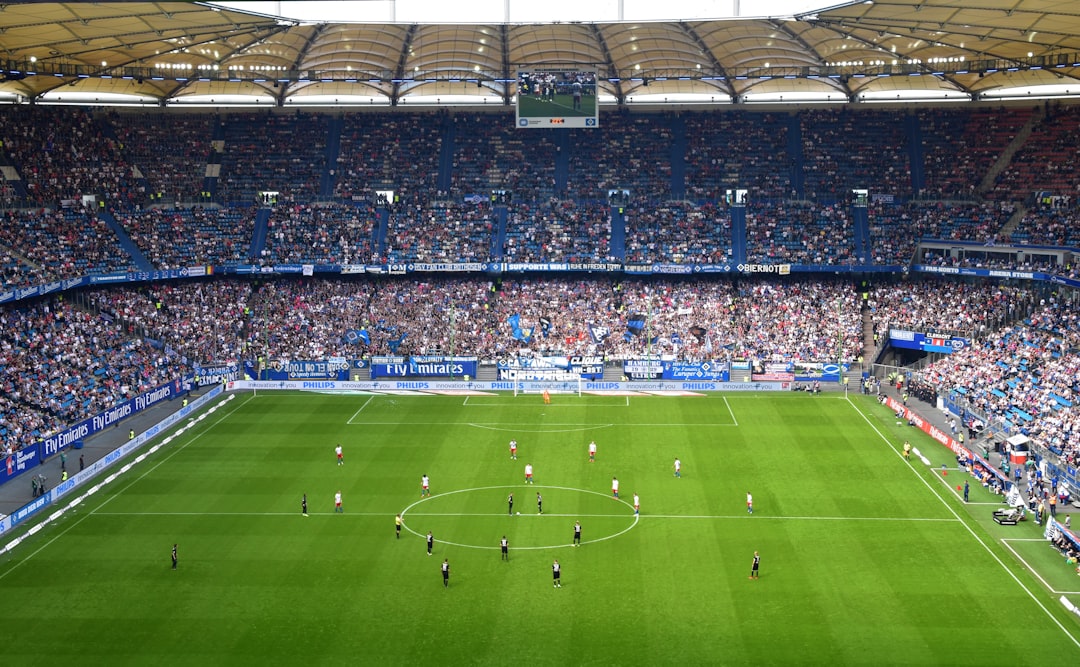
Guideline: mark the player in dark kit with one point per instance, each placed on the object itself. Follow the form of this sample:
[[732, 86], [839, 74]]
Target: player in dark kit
[[446, 572], [556, 574], [577, 533], [539, 504], [504, 544], [430, 542], [510, 504], [754, 567], [303, 505], [174, 557]]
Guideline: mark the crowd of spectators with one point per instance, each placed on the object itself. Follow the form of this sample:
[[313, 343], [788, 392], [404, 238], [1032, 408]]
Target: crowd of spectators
[[490, 153], [270, 152], [45, 245], [896, 229], [967, 308], [172, 238], [1047, 162], [1049, 225], [321, 234], [737, 149], [461, 232], [763, 320], [170, 149], [799, 233], [557, 231], [63, 364], [961, 145], [64, 153], [677, 233], [389, 151], [1024, 377], [203, 322], [845, 149], [627, 152]]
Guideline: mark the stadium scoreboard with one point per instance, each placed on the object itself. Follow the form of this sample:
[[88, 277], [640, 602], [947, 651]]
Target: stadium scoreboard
[[556, 97]]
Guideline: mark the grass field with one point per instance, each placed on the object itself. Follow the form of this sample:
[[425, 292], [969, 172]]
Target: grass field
[[562, 105], [865, 559]]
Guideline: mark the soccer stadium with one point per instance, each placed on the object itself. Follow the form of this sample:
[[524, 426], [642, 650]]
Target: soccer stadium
[[403, 332]]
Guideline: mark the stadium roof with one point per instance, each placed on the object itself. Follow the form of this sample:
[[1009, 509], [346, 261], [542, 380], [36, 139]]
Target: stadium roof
[[179, 53]]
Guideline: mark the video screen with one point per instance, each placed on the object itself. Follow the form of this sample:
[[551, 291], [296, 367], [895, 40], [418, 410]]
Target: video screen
[[556, 98]]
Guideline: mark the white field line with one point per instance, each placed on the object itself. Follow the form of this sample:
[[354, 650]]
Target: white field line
[[165, 459], [970, 530], [718, 517], [731, 412], [1005, 541], [350, 420]]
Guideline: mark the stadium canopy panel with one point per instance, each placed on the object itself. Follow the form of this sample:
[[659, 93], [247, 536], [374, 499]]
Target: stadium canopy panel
[[183, 53]]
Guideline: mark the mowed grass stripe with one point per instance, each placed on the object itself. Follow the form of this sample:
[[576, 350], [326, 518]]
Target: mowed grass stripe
[[895, 577]]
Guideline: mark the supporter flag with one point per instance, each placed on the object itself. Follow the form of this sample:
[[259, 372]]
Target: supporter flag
[[699, 332], [1013, 497], [357, 337], [598, 332], [395, 343], [545, 325], [1051, 532], [635, 324], [708, 345], [515, 329]]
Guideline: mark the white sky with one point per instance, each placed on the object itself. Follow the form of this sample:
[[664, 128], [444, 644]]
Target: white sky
[[524, 11]]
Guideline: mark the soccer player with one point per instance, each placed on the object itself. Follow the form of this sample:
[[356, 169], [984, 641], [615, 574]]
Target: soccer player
[[755, 565], [637, 504], [303, 505], [504, 544], [556, 574], [528, 473], [539, 503], [615, 487], [424, 484], [678, 467], [592, 451], [397, 526], [340, 455], [513, 449], [749, 503], [174, 558], [337, 503], [967, 490], [577, 533], [547, 397], [445, 572], [510, 504], [430, 542]]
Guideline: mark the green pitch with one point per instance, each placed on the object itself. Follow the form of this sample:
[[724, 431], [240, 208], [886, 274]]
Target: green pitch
[[865, 559], [561, 106]]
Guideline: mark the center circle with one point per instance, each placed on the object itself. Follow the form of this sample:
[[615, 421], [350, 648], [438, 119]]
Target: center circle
[[623, 511]]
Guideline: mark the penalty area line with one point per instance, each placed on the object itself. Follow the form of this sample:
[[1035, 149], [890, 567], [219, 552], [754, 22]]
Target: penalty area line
[[350, 420], [986, 547], [1005, 541]]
